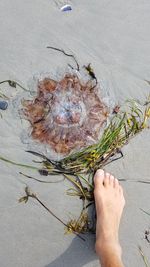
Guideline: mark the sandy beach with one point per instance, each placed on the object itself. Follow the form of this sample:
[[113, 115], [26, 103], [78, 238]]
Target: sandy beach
[[114, 37]]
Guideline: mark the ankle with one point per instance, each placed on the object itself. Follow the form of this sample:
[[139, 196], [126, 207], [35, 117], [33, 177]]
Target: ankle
[[107, 236], [108, 247]]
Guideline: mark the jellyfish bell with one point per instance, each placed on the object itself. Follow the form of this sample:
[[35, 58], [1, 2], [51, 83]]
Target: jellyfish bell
[[65, 114]]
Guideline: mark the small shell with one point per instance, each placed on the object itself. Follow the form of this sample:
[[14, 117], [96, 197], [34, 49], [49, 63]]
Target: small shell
[[66, 8]]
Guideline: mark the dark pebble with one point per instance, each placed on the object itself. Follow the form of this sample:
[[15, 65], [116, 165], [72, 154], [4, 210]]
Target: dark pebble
[[3, 105]]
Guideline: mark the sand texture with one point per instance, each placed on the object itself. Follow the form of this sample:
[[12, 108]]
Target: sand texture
[[114, 37]]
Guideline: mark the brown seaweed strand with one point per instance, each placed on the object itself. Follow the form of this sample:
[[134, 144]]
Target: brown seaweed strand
[[14, 84], [91, 74], [33, 195], [41, 181], [66, 54]]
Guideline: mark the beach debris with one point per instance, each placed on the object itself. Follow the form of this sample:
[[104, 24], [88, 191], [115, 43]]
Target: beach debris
[[148, 213], [116, 109], [144, 257], [65, 114], [14, 84], [30, 194], [147, 236], [91, 73], [18, 164], [66, 54], [147, 232], [79, 167], [81, 225], [41, 181], [66, 8], [3, 105], [121, 129]]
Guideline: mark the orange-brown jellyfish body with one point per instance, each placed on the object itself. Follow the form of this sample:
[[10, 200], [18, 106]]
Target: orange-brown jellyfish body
[[65, 114]]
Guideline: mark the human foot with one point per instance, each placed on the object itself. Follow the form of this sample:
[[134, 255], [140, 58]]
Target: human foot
[[109, 202]]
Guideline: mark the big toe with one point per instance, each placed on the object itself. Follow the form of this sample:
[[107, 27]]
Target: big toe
[[99, 178]]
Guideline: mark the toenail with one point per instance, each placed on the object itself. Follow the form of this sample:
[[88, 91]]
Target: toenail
[[100, 172]]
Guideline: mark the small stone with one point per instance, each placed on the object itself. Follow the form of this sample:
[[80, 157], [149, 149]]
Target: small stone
[[3, 105]]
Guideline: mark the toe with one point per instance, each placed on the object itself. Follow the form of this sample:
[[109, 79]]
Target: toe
[[111, 180], [116, 183], [99, 178], [106, 179], [120, 190]]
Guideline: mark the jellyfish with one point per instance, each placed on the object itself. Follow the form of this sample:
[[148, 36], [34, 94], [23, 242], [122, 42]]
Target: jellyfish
[[67, 114]]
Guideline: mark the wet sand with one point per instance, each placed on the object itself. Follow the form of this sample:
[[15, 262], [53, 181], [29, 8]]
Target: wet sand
[[114, 37]]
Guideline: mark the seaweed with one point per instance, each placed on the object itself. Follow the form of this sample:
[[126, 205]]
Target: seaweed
[[147, 236], [66, 54], [81, 225], [123, 126], [14, 84], [147, 232], [18, 164], [144, 257], [40, 181], [79, 167], [30, 194], [145, 212], [91, 74], [121, 129]]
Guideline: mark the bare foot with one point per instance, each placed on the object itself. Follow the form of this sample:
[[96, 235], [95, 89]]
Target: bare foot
[[110, 202]]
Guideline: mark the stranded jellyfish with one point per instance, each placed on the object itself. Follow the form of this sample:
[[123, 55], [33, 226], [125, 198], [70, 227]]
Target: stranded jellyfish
[[66, 114]]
